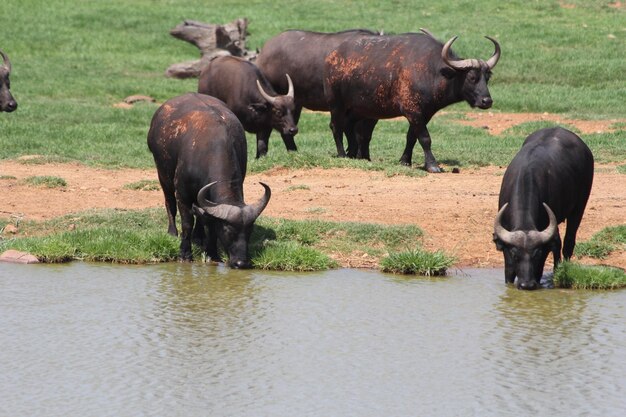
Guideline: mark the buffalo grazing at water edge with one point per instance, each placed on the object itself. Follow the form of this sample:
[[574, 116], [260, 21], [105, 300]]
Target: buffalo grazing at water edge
[[412, 75], [246, 92], [301, 54], [200, 151], [7, 102], [546, 183]]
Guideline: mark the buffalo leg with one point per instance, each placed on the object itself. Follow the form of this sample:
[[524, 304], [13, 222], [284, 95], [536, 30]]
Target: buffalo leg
[[187, 221], [198, 235], [210, 243], [337, 125], [262, 142], [364, 129], [570, 235], [419, 132], [170, 204]]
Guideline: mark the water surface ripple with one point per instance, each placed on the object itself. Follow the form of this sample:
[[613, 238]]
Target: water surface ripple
[[196, 340]]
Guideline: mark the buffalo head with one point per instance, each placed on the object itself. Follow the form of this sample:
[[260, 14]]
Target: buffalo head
[[473, 73], [525, 251], [282, 108], [235, 223], [7, 102]]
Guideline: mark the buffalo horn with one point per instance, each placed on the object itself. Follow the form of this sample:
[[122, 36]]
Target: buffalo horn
[[252, 211], [290, 91], [427, 32], [457, 64], [266, 96], [7, 63], [510, 238], [491, 62], [226, 212], [517, 238], [545, 235], [230, 213]]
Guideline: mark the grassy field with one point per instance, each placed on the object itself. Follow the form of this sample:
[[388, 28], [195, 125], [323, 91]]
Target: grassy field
[[72, 61]]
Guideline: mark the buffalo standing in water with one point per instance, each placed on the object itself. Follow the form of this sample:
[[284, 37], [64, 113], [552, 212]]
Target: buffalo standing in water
[[7, 102], [199, 148], [547, 182]]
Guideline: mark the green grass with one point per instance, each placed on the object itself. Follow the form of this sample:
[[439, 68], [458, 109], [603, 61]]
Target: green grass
[[46, 181], [586, 277], [128, 236], [417, 262], [601, 244], [143, 185], [77, 59]]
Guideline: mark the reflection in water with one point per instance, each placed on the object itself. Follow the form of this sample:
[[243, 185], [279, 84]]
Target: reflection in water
[[198, 340]]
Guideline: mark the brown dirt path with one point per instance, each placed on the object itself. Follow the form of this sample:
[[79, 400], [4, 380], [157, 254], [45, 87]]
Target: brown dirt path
[[456, 211]]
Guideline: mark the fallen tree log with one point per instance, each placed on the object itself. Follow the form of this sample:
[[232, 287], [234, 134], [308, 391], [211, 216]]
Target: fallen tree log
[[212, 40]]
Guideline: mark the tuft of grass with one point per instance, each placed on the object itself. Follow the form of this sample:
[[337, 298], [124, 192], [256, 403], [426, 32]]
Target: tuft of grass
[[139, 236], [604, 242], [586, 277], [46, 181], [292, 256], [417, 262], [7, 177], [297, 187], [143, 185], [621, 169]]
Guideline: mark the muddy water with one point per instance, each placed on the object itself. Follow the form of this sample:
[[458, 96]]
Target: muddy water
[[193, 340]]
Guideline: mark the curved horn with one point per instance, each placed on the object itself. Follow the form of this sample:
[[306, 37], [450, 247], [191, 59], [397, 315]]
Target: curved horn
[[226, 212], [7, 63], [548, 233], [457, 64], [510, 238], [252, 211], [491, 62], [202, 200], [266, 96], [290, 91], [427, 32]]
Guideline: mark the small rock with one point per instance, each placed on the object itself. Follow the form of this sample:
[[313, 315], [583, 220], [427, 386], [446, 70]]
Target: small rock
[[456, 170], [17, 257], [10, 229]]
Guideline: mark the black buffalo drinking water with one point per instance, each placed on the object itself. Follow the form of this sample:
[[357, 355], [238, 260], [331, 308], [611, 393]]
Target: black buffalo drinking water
[[7, 102], [200, 151], [546, 183]]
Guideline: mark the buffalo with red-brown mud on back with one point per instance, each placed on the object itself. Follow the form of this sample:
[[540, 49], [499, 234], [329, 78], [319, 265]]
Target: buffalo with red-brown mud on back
[[412, 75], [200, 151]]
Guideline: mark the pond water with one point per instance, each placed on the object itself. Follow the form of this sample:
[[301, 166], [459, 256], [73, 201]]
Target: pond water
[[85, 339]]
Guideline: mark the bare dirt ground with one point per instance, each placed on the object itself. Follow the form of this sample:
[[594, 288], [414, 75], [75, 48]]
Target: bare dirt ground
[[455, 211]]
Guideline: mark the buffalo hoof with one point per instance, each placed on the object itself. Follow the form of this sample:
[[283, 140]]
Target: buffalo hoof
[[405, 163], [434, 169]]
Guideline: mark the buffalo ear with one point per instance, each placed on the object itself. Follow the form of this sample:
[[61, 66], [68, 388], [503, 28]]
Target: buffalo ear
[[448, 72], [498, 242], [259, 107], [198, 211]]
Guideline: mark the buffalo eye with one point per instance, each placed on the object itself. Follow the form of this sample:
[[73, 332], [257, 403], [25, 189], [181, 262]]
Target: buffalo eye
[[515, 253]]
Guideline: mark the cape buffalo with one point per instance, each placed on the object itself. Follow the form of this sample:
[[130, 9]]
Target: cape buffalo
[[246, 92], [547, 182], [301, 54], [199, 148], [7, 102], [411, 75]]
